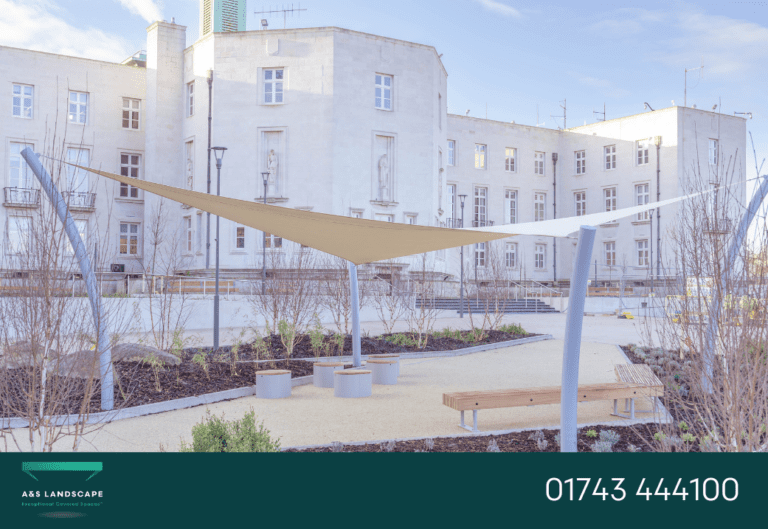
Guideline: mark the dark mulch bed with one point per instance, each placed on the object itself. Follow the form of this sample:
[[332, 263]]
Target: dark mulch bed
[[511, 442]]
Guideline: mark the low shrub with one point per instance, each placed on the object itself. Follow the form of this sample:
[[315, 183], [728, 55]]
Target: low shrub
[[214, 434], [512, 328]]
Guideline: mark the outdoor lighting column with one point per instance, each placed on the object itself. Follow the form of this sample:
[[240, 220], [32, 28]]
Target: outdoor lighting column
[[219, 153], [658, 210], [461, 286], [650, 261], [265, 177]]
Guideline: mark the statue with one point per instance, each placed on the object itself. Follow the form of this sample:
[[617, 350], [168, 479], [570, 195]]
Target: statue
[[189, 173], [440, 189], [384, 177], [272, 168]]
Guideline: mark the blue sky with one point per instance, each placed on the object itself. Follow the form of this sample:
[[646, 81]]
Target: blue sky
[[506, 54]]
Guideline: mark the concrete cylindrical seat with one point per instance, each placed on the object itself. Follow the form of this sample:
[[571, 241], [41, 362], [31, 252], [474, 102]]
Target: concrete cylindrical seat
[[273, 384], [322, 373], [352, 383], [383, 371], [387, 357]]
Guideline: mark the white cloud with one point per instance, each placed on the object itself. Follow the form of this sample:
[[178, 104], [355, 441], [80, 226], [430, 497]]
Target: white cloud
[[498, 7], [149, 10], [32, 24]]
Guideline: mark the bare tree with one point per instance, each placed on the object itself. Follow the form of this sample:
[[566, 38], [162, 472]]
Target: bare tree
[[334, 294], [422, 310], [389, 298]]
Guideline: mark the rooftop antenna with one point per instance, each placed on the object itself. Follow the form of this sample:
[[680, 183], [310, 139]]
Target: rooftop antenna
[[563, 116], [598, 112], [284, 11], [701, 74]]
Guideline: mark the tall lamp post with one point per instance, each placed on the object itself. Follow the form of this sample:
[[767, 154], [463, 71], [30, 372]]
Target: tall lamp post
[[219, 153], [265, 177], [658, 210], [462, 198], [650, 262]]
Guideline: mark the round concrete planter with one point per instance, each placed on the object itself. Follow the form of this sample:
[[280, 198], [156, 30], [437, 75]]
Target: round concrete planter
[[387, 357], [383, 371], [352, 383], [322, 373], [273, 384]]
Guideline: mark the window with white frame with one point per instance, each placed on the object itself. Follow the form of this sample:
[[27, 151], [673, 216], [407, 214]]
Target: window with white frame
[[510, 206], [384, 218], [609, 197], [78, 108], [480, 152], [199, 232], [131, 112], [538, 163], [540, 257], [610, 157], [129, 166], [451, 152], [580, 201], [81, 226], [410, 219], [357, 213], [19, 232], [78, 178], [273, 85], [642, 197], [642, 151], [383, 91], [452, 202], [713, 145], [610, 253], [273, 241], [510, 256], [539, 207], [23, 97], [240, 237], [129, 238], [642, 252], [191, 99], [480, 254], [481, 206], [20, 175], [580, 159], [509, 159], [188, 234]]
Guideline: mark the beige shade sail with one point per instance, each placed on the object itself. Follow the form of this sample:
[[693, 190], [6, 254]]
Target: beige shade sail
[[361, 240]]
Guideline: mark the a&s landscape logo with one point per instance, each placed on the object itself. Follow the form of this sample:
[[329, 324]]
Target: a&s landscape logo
[[61, 499]]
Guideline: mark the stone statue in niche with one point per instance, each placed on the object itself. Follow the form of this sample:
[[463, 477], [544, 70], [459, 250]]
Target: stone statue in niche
[[384, 178], [189, 173], [272, 168], [440, 189]]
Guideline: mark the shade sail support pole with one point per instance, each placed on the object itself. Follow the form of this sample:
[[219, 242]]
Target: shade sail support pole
[[572, 347], [86, 269], [354, 295]]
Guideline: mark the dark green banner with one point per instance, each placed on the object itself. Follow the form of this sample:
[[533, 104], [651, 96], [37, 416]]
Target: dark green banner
[[391, 490]]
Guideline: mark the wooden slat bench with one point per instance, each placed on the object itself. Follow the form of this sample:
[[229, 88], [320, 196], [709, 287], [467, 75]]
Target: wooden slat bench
[[638, 384]]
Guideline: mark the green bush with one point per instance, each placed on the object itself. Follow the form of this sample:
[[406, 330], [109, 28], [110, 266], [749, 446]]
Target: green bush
[[214, 434], [512, 328], [400, 339]]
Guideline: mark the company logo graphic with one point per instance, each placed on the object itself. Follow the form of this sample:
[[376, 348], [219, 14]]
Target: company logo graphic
[[74, 466]]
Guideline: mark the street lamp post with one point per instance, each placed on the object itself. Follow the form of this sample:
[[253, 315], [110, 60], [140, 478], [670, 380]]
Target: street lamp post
[[219, 153], [650, 262], [461, 287], [658, 210], [265, 177]]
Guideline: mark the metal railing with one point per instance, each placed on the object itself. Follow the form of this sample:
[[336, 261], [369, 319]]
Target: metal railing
[[453, 223], [80, 200], [21, 197], [481, 223]]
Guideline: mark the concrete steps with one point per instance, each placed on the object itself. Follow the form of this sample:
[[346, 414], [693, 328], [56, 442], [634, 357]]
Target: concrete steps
[[509, 306]]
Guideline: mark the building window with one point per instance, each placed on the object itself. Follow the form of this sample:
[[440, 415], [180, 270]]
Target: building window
[[510, 206], [580, 157], [480, 254], [273, 86], [19, 235], [78, 107], [642, 197], [129, 166], [383, 91], [642, 252], [20, 173], [480, 151], [273, 241], [642, 152], [240, 237], [357, 213], [538, 163], [191, 99], [609, 195], [78, 178], [452, 202], [131, 109], [481, 203], [509, 159], [22, 101], [610, 253], [510, 256], [610, 157], [82, 229], [451, 152], [539, 207], [188, 234], [129, 238], [384, 218], [540, 257], [410, 219], [713, 152], [580, 200], [199, 242]]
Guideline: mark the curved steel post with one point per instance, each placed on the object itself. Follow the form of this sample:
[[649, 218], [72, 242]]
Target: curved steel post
[[105, 358], [572, 348], [355, 299]]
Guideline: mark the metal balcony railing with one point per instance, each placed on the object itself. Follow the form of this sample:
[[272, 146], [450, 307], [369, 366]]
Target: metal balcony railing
[[80, 200], [717, 225], [20, 197], [453, 223], [481, 223]]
